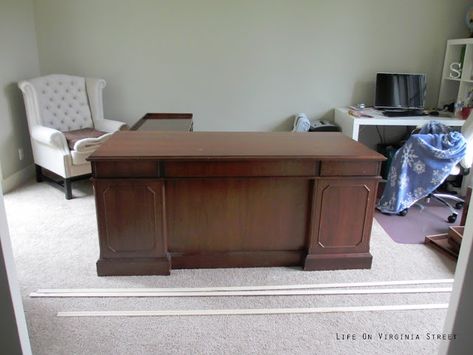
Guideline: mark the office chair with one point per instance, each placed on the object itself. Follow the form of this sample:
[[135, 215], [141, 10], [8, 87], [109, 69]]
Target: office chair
[[462, 168]]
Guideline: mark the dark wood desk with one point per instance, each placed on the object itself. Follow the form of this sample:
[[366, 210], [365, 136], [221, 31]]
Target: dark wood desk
[[233, 199]]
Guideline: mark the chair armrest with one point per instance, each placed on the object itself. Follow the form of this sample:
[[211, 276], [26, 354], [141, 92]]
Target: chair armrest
[[109, 125], [90, 144], [50, 136]]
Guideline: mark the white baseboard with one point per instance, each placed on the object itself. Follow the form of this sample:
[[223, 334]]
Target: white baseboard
[[18, 178]]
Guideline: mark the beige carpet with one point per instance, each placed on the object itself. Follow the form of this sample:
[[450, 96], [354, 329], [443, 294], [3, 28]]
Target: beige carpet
[[55, 245]]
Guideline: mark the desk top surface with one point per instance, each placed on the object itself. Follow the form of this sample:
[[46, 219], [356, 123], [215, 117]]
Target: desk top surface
[[232, 145], [379, 119]]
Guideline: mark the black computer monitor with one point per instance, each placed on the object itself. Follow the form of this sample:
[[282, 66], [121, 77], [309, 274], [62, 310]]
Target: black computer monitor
[[400, 91]]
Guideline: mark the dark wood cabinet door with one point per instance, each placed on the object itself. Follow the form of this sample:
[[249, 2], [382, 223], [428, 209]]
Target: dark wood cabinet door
[[342, 215], [130, 218]]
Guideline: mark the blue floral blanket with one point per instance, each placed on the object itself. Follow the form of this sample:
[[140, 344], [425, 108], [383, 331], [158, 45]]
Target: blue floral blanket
[[420, 166]]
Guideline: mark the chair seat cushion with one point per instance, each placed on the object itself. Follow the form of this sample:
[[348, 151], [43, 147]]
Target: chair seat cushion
[[73, 137]]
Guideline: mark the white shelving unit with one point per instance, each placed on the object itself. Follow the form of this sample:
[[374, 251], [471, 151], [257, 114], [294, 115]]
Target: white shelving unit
[[455, 90]]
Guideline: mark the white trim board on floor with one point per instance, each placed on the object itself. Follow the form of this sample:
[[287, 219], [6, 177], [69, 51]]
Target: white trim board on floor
[[261, 311], [246, 293], [250, 288]]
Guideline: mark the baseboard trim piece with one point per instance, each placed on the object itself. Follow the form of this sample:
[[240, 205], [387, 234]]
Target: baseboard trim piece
[[245, 293], [18, 178], [261, 311], [251, 288]]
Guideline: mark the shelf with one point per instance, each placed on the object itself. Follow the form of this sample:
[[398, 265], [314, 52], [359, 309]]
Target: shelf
[[440, 241], [452, 89]]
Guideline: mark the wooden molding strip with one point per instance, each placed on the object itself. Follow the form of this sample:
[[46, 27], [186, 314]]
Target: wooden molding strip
[[244, 293], [260, 311], [249, 288]]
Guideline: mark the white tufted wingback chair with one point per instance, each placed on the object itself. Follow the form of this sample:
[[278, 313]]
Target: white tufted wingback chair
[[55, 106]]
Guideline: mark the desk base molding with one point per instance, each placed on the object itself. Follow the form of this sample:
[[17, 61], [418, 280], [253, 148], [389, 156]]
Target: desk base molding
[[338, 261], [129, 266], [162, 266], [238, 259]]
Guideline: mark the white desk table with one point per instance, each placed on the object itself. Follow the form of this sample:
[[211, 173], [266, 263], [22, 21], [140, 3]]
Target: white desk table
[[350, 125]]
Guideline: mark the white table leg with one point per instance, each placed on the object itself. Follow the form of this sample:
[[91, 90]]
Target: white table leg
[[347, 125]]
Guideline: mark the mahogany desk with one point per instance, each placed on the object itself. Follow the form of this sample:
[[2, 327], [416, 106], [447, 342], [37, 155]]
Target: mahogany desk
[[233, 199]]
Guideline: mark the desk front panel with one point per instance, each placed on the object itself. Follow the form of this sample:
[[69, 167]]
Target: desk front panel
[[237, 214], [222, 213]]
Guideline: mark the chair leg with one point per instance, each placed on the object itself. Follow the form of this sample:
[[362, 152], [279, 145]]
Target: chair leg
[[448, 196], [68, 188], [39, 173], [441, 199]]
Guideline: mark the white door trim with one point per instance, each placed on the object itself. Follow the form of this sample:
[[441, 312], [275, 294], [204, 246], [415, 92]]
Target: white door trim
[[13, 280]]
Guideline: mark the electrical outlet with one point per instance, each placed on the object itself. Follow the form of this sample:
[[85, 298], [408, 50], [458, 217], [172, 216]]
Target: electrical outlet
[[21, 153]]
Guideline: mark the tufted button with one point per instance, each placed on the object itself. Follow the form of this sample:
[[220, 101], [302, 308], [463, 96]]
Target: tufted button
[[54, 115], [47, 83], [67, 90], [44, 91], [62, 121], [74, 97], [73, 120], [66, 113], [77, 112], [55, 91], [60, 83], [47, 107], [58, 106], [51, 99], [72, 82], [62, 98], [70, 105]]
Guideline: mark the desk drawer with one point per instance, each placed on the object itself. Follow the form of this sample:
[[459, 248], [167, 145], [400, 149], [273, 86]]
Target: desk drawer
[[349, 168], [240, 168], [124, 169]]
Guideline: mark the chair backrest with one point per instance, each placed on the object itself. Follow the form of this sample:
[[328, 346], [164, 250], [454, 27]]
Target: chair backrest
[[62, 102], [467, 132]]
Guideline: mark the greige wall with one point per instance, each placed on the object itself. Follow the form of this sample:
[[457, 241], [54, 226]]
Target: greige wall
[[244, 64], [18, 60], [238, 65]]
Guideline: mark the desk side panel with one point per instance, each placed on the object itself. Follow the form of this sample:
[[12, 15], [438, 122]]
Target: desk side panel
[[342, 216], [132, 230]]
